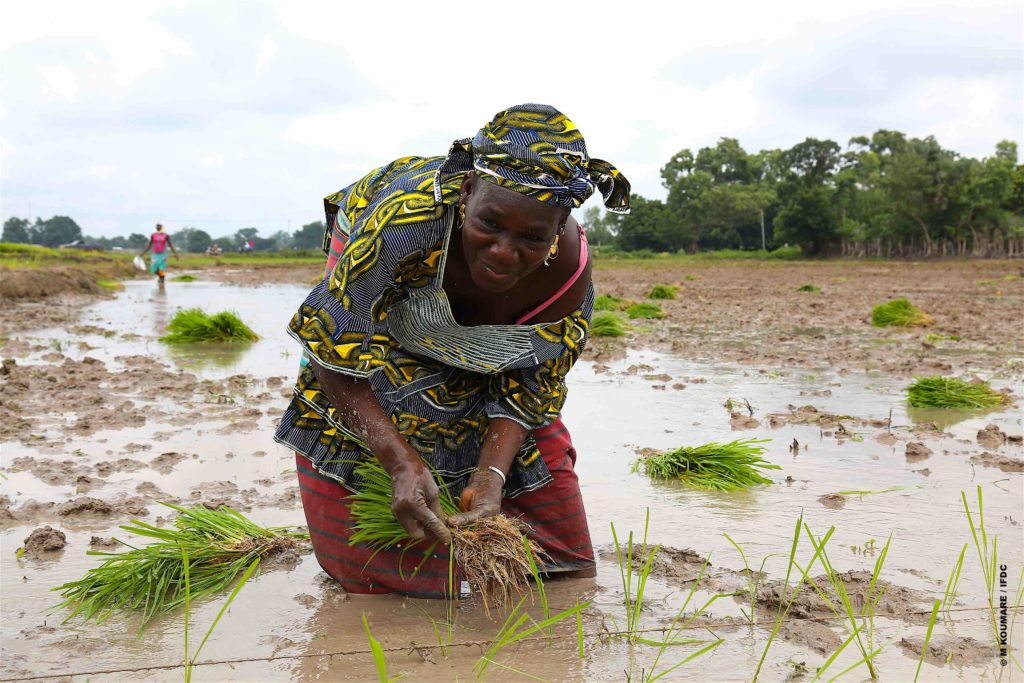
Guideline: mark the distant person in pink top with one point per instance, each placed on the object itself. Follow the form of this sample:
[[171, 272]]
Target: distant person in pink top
[[159, 241]]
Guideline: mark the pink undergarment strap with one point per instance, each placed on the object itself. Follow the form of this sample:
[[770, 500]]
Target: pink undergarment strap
[[584, 255]]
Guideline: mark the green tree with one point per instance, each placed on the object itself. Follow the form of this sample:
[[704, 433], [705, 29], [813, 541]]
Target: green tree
[[807, 213], [247, 234], [600, 228], [55, 231], [650, 224], [16, 230], [192, 240], [309, 236]]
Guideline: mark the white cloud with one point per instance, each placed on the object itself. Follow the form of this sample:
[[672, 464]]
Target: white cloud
[[225, 115]]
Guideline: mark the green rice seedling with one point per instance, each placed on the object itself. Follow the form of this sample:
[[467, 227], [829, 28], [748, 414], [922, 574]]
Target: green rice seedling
[[783, 610], [691, 278], [607, 302], [514, 630], [111, 285], [662, 292], [711, 467], [377, 650], [753, 583], [193, 325], [624, 556], [809, 288], [491, 553], [672, 636], [950, 392], [899, 313], [932, 337], [645, 310], [954, 581], [988, 557], [928, 635], [607, 325], [866, 614], [190, 660], [220, 544], [184, 278]]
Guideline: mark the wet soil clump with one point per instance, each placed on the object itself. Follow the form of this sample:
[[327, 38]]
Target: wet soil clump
[[44, 540], [895, 601]]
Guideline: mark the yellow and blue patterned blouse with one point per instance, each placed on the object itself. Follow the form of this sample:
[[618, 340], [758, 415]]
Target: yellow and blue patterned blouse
[[381, 314]]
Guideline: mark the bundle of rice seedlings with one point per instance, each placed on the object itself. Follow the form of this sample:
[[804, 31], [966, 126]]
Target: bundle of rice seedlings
[[662, 292], [220, 545], [194, 325], [809, 288], [184, 278], [711, 467], [607, 325], [899, 313], [493, 554], [950, 392], [607, 302], [645, 310]]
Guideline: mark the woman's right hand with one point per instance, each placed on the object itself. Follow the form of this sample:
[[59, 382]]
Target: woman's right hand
[[415, 502]]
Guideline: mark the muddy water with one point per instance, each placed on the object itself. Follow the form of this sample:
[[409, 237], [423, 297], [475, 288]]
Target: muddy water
[[291, 624]]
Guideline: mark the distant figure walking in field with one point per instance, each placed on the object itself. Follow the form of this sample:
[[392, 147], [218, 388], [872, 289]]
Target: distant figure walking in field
[[159, 241]]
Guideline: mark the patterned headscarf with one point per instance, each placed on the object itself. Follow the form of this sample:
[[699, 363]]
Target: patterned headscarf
[[535, 150]]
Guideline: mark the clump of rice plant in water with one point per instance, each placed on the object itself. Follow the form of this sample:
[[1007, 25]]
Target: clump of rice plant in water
[[899, 313], [491, 553], [219, 544], [194, 325], [607, 302], [645, 310], [712, 467], [950, 392], [809, 288], [662, 292], [184, 278], [607, 325]]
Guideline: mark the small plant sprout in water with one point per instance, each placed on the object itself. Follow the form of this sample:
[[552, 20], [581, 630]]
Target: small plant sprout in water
[[753, 580], [809, 288], [950, 392], [645, 310], [713, 466], [663, 292], [635, 564], [377, 650], [899, 313], [190, 659], [194, 326]]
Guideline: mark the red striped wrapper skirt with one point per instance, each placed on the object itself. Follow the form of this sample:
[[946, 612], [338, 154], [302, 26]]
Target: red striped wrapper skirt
[[554, 513]]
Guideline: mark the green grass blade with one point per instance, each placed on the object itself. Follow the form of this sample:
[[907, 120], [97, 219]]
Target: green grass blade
[[927, 638]]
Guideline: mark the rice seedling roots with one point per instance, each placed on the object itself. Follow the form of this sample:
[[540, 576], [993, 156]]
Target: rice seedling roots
[[493, 559]]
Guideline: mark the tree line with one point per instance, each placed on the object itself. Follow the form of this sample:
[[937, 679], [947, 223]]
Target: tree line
[[61, 230], [883, 196]]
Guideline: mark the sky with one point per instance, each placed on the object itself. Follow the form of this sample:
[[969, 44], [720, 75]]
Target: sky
[[224, 115]]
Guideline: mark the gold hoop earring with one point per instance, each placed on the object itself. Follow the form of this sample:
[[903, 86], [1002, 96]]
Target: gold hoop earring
[[552, 252], [462, 214]]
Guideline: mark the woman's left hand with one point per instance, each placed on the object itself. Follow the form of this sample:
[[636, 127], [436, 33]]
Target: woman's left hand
[[481, 498]]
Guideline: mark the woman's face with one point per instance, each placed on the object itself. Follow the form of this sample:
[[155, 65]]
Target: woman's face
[[506, 235]]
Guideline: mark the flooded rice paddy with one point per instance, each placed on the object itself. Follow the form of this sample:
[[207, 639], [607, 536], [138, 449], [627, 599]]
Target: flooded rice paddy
[[139, 422]]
